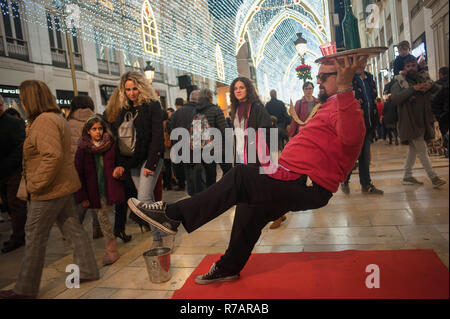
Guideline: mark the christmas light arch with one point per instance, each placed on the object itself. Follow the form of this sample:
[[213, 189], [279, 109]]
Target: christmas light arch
[[252, 7], [277, 20]]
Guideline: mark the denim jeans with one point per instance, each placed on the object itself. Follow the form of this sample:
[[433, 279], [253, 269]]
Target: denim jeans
[[145, 186], [364, 162]]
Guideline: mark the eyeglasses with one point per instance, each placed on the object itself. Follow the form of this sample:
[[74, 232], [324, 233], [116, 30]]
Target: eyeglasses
[[324, 76]]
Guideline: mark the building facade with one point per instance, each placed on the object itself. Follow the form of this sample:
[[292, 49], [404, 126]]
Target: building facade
[[386, 23], [33, 45]]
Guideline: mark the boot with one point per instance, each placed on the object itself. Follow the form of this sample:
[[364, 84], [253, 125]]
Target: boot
[[276, 223], [112, 254]]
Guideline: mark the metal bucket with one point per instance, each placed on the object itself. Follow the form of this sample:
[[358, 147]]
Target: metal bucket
[[158, 264]]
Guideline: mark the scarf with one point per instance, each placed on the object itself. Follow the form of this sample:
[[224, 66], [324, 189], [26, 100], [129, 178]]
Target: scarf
[[96, 148]]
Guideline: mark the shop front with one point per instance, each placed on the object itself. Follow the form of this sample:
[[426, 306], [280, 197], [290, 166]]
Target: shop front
[[11, 98], [64, 98]]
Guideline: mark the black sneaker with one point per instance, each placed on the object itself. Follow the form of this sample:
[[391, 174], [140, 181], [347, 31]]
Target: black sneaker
[[215, 275], [371, 189], [154, 214]]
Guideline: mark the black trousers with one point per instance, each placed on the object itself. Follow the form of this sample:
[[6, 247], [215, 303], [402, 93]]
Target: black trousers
[[17, 208], [179, 172], [120, 210], [167, 174], [259, 199]]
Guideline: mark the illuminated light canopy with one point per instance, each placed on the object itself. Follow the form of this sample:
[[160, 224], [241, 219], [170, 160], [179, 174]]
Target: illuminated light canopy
[[219, 63], [310, 9], [167, 32], [276, 21]]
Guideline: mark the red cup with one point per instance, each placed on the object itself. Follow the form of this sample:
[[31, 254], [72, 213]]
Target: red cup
[[328, 48]]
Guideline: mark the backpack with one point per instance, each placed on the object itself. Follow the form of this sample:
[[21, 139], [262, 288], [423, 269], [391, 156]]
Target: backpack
[[126, 134], [204, 126]]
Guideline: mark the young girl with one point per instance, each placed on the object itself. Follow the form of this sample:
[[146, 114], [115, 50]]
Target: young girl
[[95, 163]]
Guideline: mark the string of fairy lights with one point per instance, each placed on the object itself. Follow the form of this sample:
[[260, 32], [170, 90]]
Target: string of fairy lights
[[197, 36]]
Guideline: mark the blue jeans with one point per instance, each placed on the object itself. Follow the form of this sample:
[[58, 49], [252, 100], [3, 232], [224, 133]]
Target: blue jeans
[[145, 186], [364, 162]]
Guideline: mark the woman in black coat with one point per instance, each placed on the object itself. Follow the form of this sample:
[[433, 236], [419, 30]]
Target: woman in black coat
[[145, 162], [247, 111]]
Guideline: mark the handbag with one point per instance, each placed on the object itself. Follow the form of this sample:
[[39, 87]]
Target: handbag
[[22, 192], [127, 135]]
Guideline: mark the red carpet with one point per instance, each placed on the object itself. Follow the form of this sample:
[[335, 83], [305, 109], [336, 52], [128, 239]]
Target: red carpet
[[403, 274]]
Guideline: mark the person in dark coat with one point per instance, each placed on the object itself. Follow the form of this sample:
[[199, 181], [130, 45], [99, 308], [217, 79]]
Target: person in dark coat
[[277, 108], [412, 95], [145, 164], [216, 119], [404, 50], [390, 119], [182, 118], [365, 91], [95, 162], [440, 107], [12, 135]]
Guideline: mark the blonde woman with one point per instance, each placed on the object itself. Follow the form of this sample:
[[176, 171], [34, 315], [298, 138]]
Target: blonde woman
[[50, 181], [145, 164]]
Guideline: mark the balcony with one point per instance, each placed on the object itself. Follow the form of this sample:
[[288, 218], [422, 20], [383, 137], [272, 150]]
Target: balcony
[[17, 49], [59, 58]]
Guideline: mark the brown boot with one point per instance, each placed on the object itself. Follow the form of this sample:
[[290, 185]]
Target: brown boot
[[276, 223], [112, 254]]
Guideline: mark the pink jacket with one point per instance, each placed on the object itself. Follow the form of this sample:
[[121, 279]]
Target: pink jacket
[[301, 108]]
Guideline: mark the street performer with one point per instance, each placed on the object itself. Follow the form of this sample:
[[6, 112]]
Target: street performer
[[324, 150]]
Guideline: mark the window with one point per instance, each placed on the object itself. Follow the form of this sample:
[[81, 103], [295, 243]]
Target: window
[[149, 30], [106, 53], [58, 42], [12, 34], [11, 19]]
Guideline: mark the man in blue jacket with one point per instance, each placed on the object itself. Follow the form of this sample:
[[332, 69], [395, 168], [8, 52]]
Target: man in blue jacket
[[366, 93]]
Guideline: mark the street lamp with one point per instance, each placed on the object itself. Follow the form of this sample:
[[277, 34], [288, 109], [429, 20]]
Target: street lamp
[[149, 72], [300, 45]]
